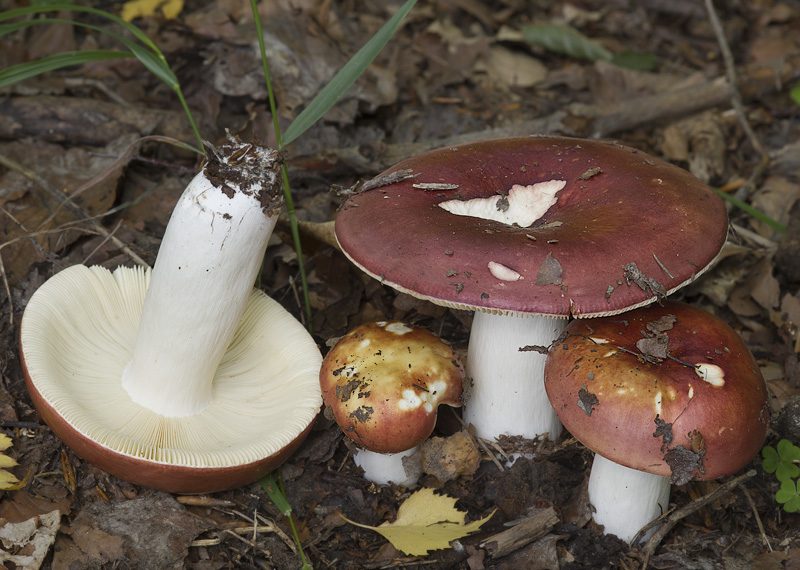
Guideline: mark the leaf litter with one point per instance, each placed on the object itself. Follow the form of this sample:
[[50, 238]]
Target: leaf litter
[[435, 81]]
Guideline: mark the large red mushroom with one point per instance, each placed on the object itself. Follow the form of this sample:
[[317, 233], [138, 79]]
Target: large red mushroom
[[527, 232]]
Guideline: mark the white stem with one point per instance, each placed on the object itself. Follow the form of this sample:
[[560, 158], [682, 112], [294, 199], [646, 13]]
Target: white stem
[[210, 255], [385, 468], [504, 392], [625, 499]]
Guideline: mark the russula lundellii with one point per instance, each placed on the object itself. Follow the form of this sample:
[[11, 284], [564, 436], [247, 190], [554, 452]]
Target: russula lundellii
[[184, 379], [666, 393], [383, 383], [527, 232]]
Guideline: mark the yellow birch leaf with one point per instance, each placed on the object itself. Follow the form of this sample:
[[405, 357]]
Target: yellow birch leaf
[[5, 442], [10, 483], [7, 480], [425, 521], [142, 8], [6, 461]]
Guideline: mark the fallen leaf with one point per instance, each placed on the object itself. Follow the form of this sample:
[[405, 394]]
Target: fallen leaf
[[142, 8], [425, 522], [25, 544], [7, 479], [447, 458]]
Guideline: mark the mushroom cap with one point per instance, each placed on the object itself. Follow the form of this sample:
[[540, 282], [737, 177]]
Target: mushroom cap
[[78, 333], [625, 229], [384, 382], [671, 390]]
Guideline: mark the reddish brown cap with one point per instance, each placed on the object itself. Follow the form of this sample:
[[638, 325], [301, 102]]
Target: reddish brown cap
[[384, 382], [670, 390], [625, 228]]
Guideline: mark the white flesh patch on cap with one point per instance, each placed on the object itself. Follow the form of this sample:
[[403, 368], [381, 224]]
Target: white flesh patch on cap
[[397, 328], [658, 403], [502, 272], [410, 401], [691, 391], [712, 374], [522, 207], [431, 397], [596, 340]]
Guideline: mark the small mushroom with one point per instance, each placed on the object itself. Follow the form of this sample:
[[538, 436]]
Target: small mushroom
[[538, 229], [384, 382], [661, 394], [183, 379]]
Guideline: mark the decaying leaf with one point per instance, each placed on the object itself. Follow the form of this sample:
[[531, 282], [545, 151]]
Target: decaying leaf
[[25, 544], [425, 522], [549, 272]]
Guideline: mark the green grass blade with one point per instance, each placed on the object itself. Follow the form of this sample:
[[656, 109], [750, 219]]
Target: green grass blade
[[274, 490], [154, 62], [31, 10], [28, 69], [748, 209], [346, 76], [148, 54], [275, 494]]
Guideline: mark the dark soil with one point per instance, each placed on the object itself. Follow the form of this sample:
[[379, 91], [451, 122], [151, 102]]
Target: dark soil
[[457, 70]]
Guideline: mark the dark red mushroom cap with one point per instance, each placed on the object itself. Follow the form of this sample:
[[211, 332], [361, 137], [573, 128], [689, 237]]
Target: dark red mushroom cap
[[671, 390], [625, 229], [384, 382]]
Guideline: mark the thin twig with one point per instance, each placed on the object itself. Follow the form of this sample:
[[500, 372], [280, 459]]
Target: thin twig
[[736, 100], [752, 503], [76, 210], [481, 443], [8, 292], [102, 243], [669, 520]]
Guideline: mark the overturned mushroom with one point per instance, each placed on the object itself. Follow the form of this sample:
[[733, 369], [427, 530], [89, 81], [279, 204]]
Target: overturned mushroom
[[183, 379]]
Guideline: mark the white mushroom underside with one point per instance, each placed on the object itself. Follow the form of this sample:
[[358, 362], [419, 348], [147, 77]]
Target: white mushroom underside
[[79, 336]]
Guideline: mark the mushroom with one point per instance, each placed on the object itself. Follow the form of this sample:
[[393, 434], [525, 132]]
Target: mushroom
[[384, 382], [662, 394], [183, 378], [527, 232]]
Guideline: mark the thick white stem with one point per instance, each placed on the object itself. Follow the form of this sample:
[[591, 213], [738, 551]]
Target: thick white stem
[[504, 392], [625, 499], [385, 468], [210, 255]]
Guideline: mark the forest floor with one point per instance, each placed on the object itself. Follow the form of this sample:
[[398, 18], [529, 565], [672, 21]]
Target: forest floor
[[457, 71]]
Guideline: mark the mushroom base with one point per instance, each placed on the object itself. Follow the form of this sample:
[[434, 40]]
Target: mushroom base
[[386, 468], [625, 499]]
